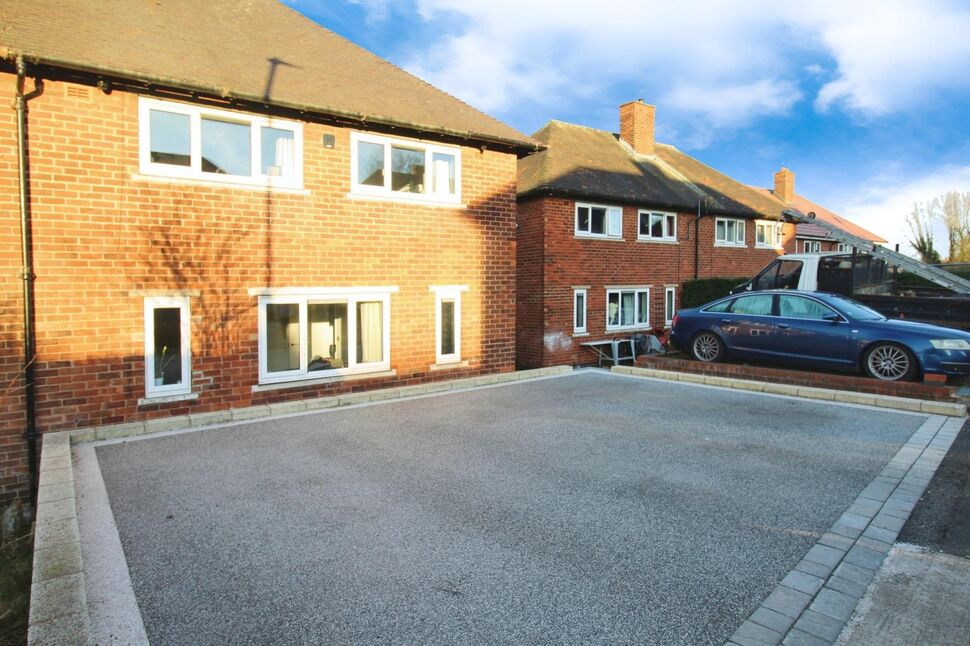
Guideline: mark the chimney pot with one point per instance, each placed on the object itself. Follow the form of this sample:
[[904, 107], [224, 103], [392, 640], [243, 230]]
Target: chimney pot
[[785, 185], [636, 126]]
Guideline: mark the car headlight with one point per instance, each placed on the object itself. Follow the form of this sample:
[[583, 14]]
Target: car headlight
[[950, 344]]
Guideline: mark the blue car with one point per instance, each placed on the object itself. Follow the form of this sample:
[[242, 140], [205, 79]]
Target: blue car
[[819, 330]]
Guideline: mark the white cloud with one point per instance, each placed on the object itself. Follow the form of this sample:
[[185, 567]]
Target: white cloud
[[883, 203], [377, 10]]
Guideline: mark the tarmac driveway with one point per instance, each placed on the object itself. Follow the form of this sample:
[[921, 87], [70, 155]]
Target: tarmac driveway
[[590, 508]]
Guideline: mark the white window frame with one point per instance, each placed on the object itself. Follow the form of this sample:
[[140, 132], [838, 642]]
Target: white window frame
[[844, 247], [812, 246], [636, 325], [668, 235], [151, 304], [613, 228], [442, 293], [365, 190], [317, 296], [194, 170], [768, 234], [739, 233], [670, 305], [584, 328]]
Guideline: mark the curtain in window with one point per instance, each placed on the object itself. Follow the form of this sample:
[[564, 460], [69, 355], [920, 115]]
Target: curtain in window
[[370, 332]]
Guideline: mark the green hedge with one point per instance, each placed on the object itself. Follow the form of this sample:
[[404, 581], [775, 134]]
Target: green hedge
[[703, 290]]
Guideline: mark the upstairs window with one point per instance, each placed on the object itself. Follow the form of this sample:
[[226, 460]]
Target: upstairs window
[[813, 246], [657, 226], [405, 169], [599, 221], [194, 142], [729, 232], [767, 234]]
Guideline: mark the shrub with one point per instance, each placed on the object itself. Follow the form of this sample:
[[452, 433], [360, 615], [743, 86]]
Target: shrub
[[703, 290]]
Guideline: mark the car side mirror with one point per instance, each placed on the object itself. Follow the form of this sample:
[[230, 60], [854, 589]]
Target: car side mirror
[[832, 318]]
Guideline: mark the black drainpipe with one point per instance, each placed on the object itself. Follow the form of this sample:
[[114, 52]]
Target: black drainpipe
[[27, 274], [697, 242]]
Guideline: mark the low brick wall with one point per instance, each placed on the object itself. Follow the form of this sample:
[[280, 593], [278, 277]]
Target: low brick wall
[[855, 383]]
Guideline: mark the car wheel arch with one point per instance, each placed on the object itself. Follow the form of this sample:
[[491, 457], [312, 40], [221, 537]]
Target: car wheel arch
[[870, 344]]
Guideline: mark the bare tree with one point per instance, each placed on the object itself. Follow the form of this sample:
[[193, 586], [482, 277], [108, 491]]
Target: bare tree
[[953, 210], [920, 223]]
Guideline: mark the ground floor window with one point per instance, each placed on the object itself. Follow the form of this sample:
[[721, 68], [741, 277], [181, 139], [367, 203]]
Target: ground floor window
[[670, 304], [448, 323], [167, 346], [323, 332], [579, 311], [627, 308]]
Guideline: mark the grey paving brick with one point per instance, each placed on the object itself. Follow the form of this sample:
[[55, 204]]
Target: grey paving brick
[[838, 542], [880, 534], [811, 567], [51, 532], [888, 522], [819, 625], [834, 604], [755, 633], [850, 588], [864, 557], [896, 513], [854, 573], [854, 520], [801, 638], [845, 530], [54, 510], [775, 620], [872, 544], [825, 555], [787, 601], [803, 582]]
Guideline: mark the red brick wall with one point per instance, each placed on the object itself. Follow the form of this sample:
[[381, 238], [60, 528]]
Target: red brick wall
[[104, 237], [569, 261]]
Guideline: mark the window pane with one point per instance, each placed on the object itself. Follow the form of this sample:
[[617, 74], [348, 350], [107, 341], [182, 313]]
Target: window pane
[[671, 231], [278, 152], [730, 228], [740, 232], [282, 337], [447, 326], [444, 173], [627, 308], [582, 219], [802, 308], [644, 224], [615, 222], [226, 147], [669, 305], [598, 221], [759, 304], [580, 311], [169, 138], [168, 346], [760, 233], [643, 307], [370, 164], [407, 170], [656, 225], [326, 336], [613, 309], [370, 332], [721, 232]]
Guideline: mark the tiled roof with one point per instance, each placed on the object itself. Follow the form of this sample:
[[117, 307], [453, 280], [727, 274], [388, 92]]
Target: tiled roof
[[804, 205], [254, 50], [594, 164]]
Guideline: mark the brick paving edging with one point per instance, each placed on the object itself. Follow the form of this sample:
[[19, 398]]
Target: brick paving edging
[[808, 392], [58, 601], [814, 602]]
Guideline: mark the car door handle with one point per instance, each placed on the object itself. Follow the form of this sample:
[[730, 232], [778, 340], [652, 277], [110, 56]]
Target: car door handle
[[725, 320], [783, 326]]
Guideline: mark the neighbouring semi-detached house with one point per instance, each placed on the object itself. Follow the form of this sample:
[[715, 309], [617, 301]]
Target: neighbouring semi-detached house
[[611, 225], [812, 238], [229, 205]]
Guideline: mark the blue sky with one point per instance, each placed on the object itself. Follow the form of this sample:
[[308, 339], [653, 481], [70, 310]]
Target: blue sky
[[867, 101]]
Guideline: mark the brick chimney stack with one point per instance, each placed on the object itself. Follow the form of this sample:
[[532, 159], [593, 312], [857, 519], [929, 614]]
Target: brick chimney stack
[[785, 185], [636, 126]]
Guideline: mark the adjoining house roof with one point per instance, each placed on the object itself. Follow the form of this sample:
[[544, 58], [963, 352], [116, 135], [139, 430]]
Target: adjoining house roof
[[805, 205], [593, 164], [254, 50]]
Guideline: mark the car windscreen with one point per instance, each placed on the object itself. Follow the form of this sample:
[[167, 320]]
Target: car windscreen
[[856, 310]]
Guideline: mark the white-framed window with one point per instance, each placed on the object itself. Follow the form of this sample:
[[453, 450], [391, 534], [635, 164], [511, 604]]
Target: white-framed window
[[579, 310], [844, 248], [596, 220], [168, 365], [404, 169], [670, 304], [812, 246], [323, 332], [195, 142], [447, 335], [768, 234], [729, 232], [657, 226], [627, 308]]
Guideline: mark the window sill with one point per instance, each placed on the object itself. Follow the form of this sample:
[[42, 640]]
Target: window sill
[[200, 181], [657, 241], [367, 197], [167, 399], [580, 334], [638, 328], [321, 381], [584, 236], [729, 245], [768, 246], [448, 366]]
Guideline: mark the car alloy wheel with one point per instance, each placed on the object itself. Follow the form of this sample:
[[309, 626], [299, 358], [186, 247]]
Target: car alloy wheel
[[889, 363], [706, 347]]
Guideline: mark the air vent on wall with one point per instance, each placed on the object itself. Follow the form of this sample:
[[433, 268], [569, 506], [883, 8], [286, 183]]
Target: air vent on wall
[[77, 92]]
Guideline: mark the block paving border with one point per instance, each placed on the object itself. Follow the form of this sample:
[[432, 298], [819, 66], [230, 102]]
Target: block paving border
[[815, 601], [58, 602]]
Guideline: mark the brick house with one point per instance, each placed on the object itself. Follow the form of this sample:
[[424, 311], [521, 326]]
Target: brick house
[[811, 238], [229, 205], [610, 226]]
